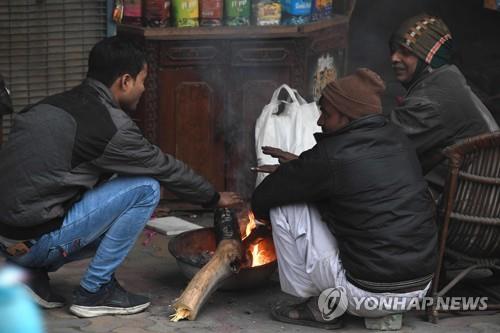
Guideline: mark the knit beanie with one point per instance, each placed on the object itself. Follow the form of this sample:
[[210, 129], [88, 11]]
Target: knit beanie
[[427, 37], [356, 95]]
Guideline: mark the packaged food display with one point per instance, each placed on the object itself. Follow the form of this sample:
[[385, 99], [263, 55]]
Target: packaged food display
[[132, 12], [185, 13], [296, 12], [118, 11], [237, 12], [321, 9], [156, 13], [267, 12], [211, 13]]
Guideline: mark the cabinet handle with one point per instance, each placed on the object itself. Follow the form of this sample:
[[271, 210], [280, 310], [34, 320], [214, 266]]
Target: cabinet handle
[[263, 54], [192, 53]]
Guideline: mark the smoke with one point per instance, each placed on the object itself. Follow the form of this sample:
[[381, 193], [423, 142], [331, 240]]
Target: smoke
[[371, 26], [372, 23]]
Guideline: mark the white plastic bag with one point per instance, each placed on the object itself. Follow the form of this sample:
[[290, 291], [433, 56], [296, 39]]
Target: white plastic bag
[[291, 130]]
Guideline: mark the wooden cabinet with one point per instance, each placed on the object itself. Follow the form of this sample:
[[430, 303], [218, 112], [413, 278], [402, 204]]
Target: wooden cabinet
[[207, 86], [191, 118]]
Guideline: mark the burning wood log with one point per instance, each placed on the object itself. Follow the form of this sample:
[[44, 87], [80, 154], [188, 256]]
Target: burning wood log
[[224, 263]]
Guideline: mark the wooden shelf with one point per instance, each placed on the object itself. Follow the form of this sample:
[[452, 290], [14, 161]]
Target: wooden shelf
[[225, 32]]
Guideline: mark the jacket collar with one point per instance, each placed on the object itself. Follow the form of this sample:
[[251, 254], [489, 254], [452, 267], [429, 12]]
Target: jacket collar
[[428, 72], [371, 121], [102, 90]]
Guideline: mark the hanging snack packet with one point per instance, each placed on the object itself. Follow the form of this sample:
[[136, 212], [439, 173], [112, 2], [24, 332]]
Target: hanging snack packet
[[132, 12], [237, 12], [321, 9], [156, 13], [296, 12], [267, 12], [185, 13], [211, 13], [118, 11]]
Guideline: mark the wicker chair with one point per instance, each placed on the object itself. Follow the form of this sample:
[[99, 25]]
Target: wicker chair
[[470, 213]]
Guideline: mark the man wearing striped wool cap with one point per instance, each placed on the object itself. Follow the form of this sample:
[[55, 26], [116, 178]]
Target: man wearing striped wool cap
[[439, 108]]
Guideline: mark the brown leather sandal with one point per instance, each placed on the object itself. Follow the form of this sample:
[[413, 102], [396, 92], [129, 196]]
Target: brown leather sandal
[[305, 314]]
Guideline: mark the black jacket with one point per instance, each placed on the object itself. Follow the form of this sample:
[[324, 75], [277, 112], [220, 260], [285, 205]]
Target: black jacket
[[440, 109], [62, 146], [368, 186]]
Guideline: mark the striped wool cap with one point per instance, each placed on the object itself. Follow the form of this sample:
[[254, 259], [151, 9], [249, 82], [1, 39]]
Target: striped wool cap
[[427, 37]]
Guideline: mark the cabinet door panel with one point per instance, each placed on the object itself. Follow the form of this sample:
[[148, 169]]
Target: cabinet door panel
[[191, 130]]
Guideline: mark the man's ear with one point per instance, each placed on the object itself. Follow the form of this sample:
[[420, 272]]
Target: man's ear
[[125, 82]]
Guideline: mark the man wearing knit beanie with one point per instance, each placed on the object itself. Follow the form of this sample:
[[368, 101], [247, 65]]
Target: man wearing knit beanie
[[439, 108], [351, 97], [351, 214], [356, 95]]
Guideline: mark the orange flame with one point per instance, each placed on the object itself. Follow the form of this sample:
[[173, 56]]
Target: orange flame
[[262, 251], [251, 224]]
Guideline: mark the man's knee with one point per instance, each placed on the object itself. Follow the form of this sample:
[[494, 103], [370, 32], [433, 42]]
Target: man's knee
[[278, 219], [153, 188], [291, 218], [146, 189]]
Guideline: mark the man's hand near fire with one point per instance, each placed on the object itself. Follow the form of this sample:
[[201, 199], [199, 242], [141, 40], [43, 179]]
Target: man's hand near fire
[[229, 200], [281, 155]]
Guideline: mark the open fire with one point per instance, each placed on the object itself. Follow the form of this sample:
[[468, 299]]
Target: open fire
[[259, 249], [219, 267]]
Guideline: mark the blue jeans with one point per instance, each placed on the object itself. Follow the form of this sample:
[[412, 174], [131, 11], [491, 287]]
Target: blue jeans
[[105, 223]]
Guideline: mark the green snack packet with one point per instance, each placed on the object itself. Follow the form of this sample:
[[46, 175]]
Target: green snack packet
[[237, 12], [185, 13]]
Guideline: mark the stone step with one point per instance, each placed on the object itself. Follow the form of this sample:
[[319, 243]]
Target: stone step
[[388, 323]]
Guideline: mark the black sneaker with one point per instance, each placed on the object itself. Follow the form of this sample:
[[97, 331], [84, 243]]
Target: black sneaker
[[38, 285], [111, 299]]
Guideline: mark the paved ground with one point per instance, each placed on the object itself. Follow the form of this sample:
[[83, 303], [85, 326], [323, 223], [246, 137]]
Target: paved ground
[[151, 270]]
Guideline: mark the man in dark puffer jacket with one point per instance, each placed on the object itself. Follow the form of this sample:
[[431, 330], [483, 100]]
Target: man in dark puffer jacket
[[353, 212], [57, 200], [439, 108]]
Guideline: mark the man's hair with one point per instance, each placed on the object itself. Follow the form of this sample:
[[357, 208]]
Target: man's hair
[[113, 57]]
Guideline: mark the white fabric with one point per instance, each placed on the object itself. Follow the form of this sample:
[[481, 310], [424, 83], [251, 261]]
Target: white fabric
[[292, 130], [309, 262]]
